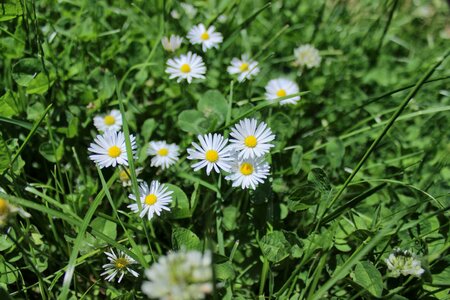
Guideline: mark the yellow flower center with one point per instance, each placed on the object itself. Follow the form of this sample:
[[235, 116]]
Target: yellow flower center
[[281, 93], [244, 67], [109, 120], [150, 199], [185, 68], [204, 36], [114, 151], [246, 169], [163, 152], [123, 175], [212, 156], [3, 207], [250, 141], [121, 263]]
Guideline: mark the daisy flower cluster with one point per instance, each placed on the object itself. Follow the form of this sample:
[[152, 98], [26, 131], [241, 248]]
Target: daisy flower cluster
[[241, 157], [404, 262]]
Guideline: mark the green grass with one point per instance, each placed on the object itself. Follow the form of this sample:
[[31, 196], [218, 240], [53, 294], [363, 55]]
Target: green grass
[[360, 164]]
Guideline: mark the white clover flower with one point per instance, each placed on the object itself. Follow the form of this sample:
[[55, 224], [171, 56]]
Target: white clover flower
[[250, 139], [307, 55], [111, 121], [118, 264], [171, 44], [208, 38], [248, 173], [109, 149], [186, 67], [154, 199], [125, 178], [404, 262], [189, 9], [212, 152], [8, 211], [281, 87], [245, 67], [164, 154], [183, 275]]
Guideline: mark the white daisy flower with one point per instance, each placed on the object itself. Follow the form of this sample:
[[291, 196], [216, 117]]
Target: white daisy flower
[[245, 67], [208, 38], [281, 87], [118, 264], [175, 14], [154, 199], [212, 152], [404, 262], [171, 44], [248, 173], [111, 121], [164, 154], [307, 55], [124, 176], [251, 140], [109, 149], [186, 67], [183, 275], [8, 211]]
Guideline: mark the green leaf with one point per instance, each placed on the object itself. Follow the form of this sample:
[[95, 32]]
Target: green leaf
[[193, 121], [367, 276], [275, 246], [107, 86], [183, 238], [10, 9], [8, 273], [230, 215], [335, 152], [224, 271], [296, 159], [25, 70], [147, 128], [50, 154], [214, 107], [181, 208], [105, 226], [319, 178], [39, 84], [8, 107]]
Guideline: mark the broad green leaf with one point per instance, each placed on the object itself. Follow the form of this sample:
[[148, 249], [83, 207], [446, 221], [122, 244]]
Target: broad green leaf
[[335, 152], [25, 70], [319, 178], [183, 238], [39, 84], [192, 121], [275, 246], [224, 271], [52, 155], [180, 203], [368, 276], [214, 107], [230, 215], [296, 159], [8, 272], [147, 128], [8, 107]]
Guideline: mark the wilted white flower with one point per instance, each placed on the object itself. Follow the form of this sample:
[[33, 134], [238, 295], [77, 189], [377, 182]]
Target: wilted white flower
[[245, 67], [124, 176], [307, 55], [212, 152], [183, 275], [118, 264], [186, 67], [189, 9], [8, 211], [250, 139], [281, 87], [109, 149], [171, 44], [404, 262], [248, 173], [208, 38], [164, 154], [111, 121], [154, 199]]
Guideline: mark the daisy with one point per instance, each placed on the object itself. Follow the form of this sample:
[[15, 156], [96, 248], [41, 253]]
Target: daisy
[[186, 67], [111, 121], [307, 55], [183, 275], [281, 87], [118, 264], [171, 44], [248, 173], [153, 199], [251, 140], [164, 154], [245, 67], [404, 262], [124, 176], [208, 38], [8, 211], [212, 152], [109, 149]]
